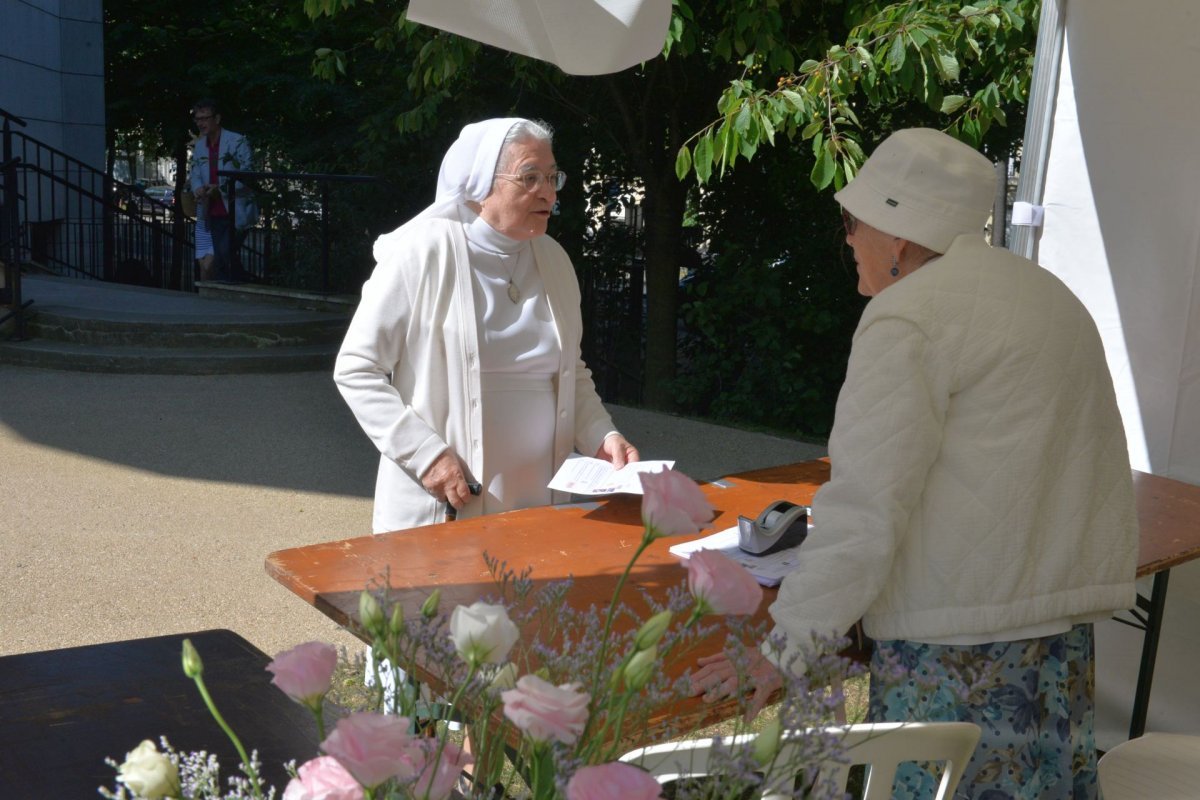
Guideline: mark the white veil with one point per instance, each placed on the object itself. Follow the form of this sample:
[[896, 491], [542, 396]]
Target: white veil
[[468, 166]]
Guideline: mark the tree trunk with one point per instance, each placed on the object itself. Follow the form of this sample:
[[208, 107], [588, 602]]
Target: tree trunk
[[664, 204]]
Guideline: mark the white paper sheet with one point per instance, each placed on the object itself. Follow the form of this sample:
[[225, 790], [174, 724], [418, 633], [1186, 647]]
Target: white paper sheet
[[583, 475], [767, 570]]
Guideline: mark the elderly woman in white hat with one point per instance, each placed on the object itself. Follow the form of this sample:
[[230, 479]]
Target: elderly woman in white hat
[[462, 362], [980, 513]]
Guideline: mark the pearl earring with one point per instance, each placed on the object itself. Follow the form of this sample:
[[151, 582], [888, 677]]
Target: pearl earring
[[895, 267]]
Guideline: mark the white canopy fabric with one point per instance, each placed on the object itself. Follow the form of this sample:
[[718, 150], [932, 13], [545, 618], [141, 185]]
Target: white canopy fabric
[[1121, 191], [1122, 207], [581, 37]]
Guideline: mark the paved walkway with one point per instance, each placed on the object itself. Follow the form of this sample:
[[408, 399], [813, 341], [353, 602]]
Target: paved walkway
[[136, 505]]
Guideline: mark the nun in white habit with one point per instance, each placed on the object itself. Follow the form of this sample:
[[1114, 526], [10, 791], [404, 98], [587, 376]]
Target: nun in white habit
[[462, 362]]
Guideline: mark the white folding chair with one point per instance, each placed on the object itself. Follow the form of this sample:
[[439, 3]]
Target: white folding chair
[[1164, 766], [881, 746]]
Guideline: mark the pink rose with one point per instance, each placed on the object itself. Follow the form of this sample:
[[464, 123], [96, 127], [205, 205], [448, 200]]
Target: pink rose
[[615, 781], [438, 780], [673, 504], [545, 711], [721, 585], [305, 672], [323, 778], [375, 747]]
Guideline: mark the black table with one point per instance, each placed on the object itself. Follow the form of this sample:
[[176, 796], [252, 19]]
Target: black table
[[63, 711]]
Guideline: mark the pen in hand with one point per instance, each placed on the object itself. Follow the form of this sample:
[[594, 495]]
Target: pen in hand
[[451, 511]]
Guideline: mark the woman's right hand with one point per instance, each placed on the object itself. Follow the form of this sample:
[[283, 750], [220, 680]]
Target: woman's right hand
[[445, 480]]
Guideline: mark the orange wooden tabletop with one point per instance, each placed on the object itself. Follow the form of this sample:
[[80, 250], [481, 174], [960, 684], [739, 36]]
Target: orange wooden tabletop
[[592, 543], [1169, 518]]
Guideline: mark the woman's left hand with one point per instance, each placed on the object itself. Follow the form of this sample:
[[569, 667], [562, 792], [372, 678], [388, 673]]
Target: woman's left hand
[[717, 679], [617, 451]]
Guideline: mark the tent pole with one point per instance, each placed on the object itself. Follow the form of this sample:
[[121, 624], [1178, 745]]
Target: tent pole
[[1035, 152]]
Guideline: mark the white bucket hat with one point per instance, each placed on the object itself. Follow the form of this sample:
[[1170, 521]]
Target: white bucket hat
[[924, 186]]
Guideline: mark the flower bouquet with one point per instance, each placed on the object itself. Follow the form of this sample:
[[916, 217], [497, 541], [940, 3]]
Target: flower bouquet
[[548, 719]]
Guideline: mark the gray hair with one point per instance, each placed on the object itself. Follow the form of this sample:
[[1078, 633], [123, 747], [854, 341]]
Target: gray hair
[[523, 131]]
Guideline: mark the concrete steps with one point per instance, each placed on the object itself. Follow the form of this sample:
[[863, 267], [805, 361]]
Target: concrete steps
[[167, 360], [274, 295], [99, 327]]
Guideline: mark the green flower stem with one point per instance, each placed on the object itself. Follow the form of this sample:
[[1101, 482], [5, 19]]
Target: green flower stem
[[615, 727], [614, 742], [212, 707], [612, 610], [319, 714]]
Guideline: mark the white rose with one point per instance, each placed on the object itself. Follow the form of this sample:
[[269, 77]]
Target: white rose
[[148, 773], [483, 633]]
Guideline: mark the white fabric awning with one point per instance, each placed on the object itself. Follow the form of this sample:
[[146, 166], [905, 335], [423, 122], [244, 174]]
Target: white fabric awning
[[581, 37]]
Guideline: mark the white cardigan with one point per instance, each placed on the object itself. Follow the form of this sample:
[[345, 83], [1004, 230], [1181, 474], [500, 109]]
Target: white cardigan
[[409, 365], [981, 488]]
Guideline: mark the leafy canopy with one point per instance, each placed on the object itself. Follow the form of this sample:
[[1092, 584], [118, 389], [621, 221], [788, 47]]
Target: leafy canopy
[[964, 62]]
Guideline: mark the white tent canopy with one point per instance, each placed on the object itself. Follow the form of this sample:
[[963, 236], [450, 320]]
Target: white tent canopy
[[1119, 177], [1111, 155]]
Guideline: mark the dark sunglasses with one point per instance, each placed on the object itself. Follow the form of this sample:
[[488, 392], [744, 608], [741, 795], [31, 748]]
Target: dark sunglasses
[[849, 221]]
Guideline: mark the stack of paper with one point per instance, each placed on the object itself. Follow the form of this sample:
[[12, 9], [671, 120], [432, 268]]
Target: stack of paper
[[767, 570], [583, 475]]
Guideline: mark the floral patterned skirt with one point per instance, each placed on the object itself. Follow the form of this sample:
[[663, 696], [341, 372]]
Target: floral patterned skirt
[[1033, 698]]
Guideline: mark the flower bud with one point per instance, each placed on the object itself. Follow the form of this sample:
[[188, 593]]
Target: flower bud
[[429, 608], [148, 773], [641, 668], [397, 624], [766, 745], [192, 665], [653, 630], [370, 613]]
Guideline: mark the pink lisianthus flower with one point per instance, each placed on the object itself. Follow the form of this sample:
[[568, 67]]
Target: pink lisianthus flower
[[545, 711], [375, 747], [305, 672], [438, 780], [323, 778], [672, 504], [721, 585], [615, 781]]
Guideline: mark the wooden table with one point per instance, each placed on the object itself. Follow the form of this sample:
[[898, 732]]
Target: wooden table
[[592, 542], [62, 712], [1169, 519]]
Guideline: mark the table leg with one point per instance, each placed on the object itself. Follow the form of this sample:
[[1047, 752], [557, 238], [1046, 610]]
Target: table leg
[[1153, 626]]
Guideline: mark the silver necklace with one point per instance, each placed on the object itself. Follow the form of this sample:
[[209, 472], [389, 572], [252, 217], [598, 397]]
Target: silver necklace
[[514, 293]]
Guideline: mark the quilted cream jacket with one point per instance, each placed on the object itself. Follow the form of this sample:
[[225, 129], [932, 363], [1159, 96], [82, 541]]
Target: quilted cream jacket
[[980, 478]]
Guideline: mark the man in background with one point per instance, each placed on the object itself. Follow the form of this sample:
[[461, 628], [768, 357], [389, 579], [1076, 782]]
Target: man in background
[[217, 149]]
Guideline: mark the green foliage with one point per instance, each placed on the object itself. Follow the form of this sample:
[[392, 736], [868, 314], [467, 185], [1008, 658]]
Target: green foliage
[[800, 90], [970, 64], [769, 314]]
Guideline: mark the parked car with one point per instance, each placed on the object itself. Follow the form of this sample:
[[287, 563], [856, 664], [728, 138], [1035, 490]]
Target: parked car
[[161, 194]]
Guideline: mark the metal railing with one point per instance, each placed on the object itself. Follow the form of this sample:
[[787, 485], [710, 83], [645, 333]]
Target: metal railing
[[253, 253], [10, 231], [69, 218], [63, 216]]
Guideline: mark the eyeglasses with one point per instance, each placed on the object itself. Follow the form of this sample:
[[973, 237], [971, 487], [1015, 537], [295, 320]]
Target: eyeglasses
[[849, 221], [533, 180], [202, 117]]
